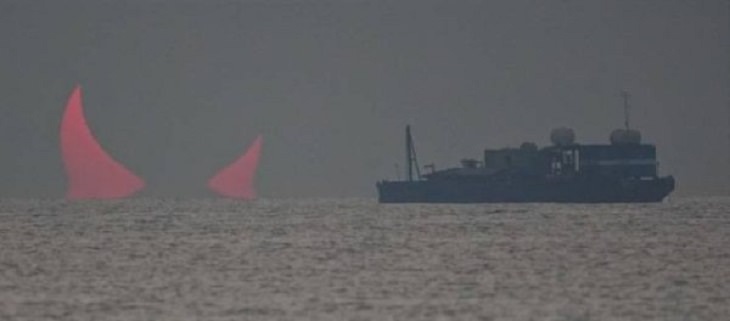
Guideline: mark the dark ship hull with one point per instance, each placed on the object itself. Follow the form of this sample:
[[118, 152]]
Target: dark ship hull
[[552, 191]]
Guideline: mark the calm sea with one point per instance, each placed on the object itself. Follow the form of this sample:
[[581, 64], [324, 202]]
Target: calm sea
[[353, 259]]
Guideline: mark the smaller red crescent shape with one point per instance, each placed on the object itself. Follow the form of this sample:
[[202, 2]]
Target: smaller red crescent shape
[[237, 179]]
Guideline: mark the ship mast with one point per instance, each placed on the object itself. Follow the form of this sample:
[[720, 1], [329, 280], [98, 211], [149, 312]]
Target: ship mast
[[411, 155]]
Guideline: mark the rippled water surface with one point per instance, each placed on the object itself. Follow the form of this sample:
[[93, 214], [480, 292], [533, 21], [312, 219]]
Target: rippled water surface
[[149, 259]]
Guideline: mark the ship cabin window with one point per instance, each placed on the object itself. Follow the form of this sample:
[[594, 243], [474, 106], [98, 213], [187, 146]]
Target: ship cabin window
[[567, 157], [635, 161], [556, 165]]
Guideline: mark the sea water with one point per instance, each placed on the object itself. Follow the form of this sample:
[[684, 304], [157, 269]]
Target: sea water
[[355, 259]]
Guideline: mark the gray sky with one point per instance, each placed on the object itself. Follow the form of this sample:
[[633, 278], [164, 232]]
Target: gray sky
[[177, 89]]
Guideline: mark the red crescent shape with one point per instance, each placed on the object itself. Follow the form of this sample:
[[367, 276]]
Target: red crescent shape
[[91, 172], [237, 179]]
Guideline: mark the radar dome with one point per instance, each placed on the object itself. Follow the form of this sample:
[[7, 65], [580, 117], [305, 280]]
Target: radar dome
[[562, 136], [625, 137]]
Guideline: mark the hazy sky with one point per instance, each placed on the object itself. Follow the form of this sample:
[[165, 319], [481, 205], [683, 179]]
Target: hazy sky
[[177, 89]]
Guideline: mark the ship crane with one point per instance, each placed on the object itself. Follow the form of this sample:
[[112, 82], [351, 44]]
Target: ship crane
[[411, 158]]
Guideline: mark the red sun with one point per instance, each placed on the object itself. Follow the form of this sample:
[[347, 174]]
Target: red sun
[[93, 174]]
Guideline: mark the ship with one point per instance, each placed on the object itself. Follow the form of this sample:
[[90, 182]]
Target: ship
[[622, 171]]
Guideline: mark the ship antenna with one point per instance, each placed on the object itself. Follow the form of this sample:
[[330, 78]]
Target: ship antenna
[[625, 95]]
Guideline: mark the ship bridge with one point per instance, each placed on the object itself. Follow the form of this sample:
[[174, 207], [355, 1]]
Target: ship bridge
[[624, 161]]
